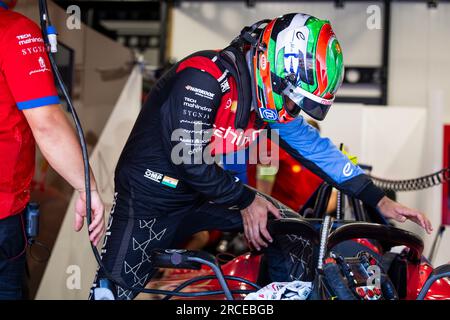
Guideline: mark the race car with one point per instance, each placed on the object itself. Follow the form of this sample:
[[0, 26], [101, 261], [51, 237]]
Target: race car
[[342, 258]]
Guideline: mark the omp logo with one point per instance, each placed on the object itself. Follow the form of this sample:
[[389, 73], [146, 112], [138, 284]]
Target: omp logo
[[201, 92], [348, 170], [152, 175]]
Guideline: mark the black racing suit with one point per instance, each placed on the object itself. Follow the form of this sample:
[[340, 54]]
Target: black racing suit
[[160, 202]]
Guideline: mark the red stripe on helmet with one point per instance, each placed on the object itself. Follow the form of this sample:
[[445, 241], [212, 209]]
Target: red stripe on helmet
[[265, 73], [321, 58]]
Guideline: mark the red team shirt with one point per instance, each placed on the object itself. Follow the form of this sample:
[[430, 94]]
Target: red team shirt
[[26, 81]]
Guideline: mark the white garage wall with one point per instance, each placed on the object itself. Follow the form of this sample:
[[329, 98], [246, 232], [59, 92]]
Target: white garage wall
[[420, 55], [199, 26], [420, 39], [400, 143]]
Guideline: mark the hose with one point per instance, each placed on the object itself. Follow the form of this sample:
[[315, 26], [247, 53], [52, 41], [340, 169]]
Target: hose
[[440, 177]]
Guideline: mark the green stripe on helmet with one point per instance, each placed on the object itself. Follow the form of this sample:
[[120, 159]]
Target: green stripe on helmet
[[271, 54], [278, 100], [280, 70], [335, 66], [314, 25]]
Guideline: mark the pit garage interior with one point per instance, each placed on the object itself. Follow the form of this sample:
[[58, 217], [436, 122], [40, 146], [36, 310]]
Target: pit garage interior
[[392, 111]]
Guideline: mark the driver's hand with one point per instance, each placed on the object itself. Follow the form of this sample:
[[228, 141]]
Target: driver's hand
[[97, 226], [255, 222], [393, 210]]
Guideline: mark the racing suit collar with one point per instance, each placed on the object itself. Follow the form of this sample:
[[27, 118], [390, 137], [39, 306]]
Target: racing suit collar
[[3, 5]]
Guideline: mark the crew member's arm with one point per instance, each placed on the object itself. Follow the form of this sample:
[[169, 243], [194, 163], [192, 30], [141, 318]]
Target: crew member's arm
[[321, 156], [27, 70], [58, 143]]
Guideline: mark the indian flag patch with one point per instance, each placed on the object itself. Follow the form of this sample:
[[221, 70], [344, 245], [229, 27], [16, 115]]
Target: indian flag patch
[[170, 182]]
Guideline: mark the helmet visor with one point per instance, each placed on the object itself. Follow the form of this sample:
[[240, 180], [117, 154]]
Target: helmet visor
[[297, 99]]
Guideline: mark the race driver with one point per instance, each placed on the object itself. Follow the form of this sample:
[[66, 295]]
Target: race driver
[[29, 112], [216, 102]]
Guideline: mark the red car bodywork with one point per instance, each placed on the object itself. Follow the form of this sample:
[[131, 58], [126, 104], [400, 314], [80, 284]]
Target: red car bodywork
[[247, 266], [417, 275]]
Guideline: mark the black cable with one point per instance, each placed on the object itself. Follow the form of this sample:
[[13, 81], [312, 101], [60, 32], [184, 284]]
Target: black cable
[[43, 246], [210, 277]]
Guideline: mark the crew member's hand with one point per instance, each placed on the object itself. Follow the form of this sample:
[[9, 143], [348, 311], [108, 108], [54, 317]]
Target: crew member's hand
[[97, 226], [393, 210], [255, 222]]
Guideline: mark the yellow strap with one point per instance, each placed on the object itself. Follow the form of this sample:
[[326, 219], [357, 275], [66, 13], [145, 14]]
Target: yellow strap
[[353, 159]]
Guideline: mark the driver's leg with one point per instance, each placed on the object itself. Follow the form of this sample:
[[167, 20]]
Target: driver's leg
[[128, 245], [209, 216], [288, 258]]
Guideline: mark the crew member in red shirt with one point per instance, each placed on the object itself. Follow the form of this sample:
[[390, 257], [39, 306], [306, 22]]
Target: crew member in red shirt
[[29, 112]]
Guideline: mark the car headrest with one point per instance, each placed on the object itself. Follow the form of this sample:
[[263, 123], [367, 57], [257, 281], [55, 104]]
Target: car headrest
[[293, 226], [388, 236]]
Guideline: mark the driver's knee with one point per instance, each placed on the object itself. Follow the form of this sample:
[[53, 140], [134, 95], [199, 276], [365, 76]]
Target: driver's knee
[[289, 258]]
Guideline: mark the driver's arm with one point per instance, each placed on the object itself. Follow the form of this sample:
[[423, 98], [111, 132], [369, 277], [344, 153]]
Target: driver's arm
[[320, 155]]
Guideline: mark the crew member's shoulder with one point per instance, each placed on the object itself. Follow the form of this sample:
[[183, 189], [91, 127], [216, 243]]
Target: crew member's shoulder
[[12, 22]]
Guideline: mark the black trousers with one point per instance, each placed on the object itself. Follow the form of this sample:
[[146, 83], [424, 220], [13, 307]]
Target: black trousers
[[131, 237], [12, 257]]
